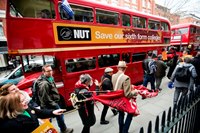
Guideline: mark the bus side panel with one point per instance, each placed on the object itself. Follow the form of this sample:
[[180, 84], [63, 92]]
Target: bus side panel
[[135, 71]]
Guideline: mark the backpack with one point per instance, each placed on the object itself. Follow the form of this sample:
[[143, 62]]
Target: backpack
[[182, 74], [152, 66], [35, 90]]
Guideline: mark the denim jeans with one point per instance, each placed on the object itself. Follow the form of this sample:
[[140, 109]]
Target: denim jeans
[[124, 126], [149, 78], [60, 120], [177, 92]]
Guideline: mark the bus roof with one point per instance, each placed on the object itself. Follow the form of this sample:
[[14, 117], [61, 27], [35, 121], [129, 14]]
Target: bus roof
[[184, 25], [97, 4]]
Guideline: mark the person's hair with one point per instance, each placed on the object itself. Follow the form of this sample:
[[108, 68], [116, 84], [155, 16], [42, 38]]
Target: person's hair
[[46, 12], [4, 89], [85, 78], [159, 57], [10, 105], [150, 53], [45, 66], [187, 60]]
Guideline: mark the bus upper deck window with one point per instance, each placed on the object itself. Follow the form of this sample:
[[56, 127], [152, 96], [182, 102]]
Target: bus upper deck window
[[138, 22], [126, 20], [32, 9], [81, 13], [154, 25], [165, 26], [106, 17]]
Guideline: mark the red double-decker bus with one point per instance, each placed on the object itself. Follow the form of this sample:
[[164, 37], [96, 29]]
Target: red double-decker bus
[[186, 37], [95, 37]]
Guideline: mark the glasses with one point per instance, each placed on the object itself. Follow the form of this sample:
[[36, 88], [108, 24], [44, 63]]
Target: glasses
[[49, 71]]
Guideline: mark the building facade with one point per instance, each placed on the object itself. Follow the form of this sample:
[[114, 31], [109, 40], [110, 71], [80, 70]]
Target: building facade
[[147, 6]]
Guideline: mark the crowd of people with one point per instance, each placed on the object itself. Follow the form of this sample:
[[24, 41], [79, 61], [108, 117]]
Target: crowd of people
[[19, 112], [183, 72]]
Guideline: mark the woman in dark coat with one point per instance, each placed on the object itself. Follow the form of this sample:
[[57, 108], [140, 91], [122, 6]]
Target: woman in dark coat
[[17, 116], [86, 108]]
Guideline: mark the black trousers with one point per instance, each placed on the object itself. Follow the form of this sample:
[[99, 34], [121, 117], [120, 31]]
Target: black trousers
[[104, 112], [86, 129]]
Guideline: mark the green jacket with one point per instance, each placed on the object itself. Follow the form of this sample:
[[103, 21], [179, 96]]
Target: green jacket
[[47, 93]]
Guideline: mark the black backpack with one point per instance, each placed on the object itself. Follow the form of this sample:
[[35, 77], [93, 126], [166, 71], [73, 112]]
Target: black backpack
[[35, 90], [182, 74]]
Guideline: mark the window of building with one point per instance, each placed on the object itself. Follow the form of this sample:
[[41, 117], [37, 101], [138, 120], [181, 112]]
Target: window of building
[[32, 9], [106, 17], [135, 7], [80, 64], [149, 4], [108, 60], [125, 20], [134, 1], [138, 22], [143, 3]]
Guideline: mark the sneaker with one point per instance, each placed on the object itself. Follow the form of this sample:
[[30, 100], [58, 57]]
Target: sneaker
[[104, 122], [68, 130]]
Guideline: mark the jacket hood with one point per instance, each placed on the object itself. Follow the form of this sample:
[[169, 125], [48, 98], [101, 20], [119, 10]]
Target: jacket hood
[[79, 85]]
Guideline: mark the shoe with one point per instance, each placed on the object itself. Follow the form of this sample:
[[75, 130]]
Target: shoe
[[143, 98], [68, 130], [104, 122]]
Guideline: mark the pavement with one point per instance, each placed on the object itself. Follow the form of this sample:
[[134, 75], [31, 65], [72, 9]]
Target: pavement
[[149, 109]]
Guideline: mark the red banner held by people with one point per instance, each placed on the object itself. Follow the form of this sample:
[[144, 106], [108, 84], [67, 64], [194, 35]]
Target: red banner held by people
[[116, 99]]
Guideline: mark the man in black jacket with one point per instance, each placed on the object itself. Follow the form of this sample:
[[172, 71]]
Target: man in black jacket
[[107, 85], [196, 63]]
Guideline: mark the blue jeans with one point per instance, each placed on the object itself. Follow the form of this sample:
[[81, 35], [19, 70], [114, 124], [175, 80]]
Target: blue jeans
[[149, 78], [124, 127], [60, 120], [177, 92]]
